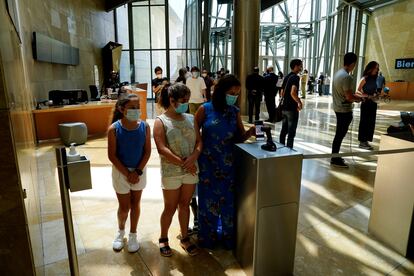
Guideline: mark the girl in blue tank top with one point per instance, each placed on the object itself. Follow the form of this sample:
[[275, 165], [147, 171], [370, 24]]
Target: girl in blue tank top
[[129, 150]]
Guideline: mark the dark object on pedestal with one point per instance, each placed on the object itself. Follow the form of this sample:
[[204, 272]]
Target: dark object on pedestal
[[270, 145], [111, 58], [94, 92]]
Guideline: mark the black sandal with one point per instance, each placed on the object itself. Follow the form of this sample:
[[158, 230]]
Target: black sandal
[[192, 249], [165, 249]]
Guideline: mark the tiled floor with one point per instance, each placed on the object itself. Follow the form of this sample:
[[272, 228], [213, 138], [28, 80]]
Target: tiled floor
[[332, 236]]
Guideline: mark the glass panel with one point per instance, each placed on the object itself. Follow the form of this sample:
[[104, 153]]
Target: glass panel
[[266, 16], [125, 67], [192, 58], [304, 11], [279, 17], [176, 23], [363, 40], [122, 26], [141, 28], [157, 2], [324, 7], [143, 69], [158, 27], [141, 3], [177, 61], [352, 30], [193, 24]]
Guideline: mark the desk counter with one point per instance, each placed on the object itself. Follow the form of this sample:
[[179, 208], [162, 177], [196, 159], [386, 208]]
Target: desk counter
[[96, 115], [401, 90]]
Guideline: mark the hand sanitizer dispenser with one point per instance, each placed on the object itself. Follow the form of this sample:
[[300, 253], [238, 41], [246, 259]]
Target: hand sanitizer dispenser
[[78, 170], [73, 155]]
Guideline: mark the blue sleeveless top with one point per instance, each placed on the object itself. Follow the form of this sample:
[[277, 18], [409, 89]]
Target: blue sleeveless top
[[130, 144]]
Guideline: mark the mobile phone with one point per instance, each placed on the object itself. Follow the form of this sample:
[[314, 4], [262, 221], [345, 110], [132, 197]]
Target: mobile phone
[[259, 131]]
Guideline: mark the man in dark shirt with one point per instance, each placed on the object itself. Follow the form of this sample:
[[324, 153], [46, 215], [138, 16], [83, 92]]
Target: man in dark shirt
[[291, 103], [321, 83], [270, 81], [254, 86], [157, 86], [209, 83]]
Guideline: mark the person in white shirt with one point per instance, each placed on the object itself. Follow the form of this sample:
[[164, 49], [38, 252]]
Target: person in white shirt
[[197, 87], [327, 85]]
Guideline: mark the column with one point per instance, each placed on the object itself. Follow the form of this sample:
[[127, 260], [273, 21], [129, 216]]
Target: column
[[245, 42]]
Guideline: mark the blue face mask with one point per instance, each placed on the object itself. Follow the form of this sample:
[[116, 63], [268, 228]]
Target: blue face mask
[[181, 108], [132, 115], [230, 99]]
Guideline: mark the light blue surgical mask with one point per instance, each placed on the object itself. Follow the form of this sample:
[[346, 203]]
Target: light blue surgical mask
[[132, 115], [181, 108], [195, 74], [230, 99]]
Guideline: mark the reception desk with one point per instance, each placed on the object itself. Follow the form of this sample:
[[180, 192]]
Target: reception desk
[[96, 115], [401, 90]]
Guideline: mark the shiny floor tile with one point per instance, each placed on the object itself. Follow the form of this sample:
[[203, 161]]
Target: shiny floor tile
[[335, 204]]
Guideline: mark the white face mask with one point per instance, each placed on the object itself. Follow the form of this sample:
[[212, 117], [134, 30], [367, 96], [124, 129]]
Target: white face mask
[[195, 74], [159, 76], [204, 75]]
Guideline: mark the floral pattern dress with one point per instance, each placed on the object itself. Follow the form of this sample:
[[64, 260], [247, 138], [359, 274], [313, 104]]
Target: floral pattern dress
[[216, 185]]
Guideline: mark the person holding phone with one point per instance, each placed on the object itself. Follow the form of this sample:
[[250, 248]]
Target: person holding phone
[[221, 127]]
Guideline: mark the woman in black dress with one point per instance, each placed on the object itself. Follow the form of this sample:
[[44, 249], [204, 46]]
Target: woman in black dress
[[368, 87]]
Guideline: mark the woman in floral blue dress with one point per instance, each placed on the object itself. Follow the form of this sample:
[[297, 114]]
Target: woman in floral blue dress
[[221, 127]]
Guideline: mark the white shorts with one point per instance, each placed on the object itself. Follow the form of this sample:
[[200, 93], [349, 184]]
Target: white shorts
[[175, 182], [121, 184]]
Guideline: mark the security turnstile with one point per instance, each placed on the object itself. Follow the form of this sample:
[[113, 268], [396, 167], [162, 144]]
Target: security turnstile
[[267, 200]]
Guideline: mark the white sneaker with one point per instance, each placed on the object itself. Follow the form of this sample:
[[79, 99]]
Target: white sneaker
[[118, 243], [133, 244]]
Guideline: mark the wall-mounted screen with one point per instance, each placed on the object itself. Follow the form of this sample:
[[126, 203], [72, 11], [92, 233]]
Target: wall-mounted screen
[[51, 50]]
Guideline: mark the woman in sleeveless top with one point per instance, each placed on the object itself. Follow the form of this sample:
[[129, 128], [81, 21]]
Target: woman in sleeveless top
[[368, 87], [221, 127], [179, 146]]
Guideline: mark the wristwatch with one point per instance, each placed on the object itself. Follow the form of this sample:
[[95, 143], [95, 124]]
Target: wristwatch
[[139, 172]]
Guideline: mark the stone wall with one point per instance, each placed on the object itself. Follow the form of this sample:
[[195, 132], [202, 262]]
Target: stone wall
[[391, 36], [79, 23]]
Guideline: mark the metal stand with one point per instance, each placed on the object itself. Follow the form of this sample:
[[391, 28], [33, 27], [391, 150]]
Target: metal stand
[[268, 190], [67, 211]]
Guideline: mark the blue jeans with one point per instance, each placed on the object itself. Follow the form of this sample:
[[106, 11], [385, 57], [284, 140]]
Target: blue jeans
[[289, 125]]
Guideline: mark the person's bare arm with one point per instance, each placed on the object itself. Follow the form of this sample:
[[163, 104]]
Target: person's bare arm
[[147, 147], [189, 162], [160, 141], [361, 84], [294, 94], [243, 133], [350, 97], [112, 152]]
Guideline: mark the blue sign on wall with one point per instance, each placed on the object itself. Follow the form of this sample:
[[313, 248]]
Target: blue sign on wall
[[404, 63]]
